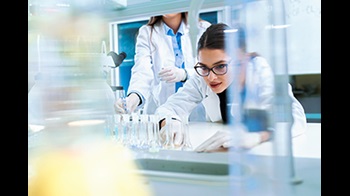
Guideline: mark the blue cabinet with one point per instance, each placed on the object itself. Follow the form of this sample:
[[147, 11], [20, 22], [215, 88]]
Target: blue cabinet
[[127, 33]]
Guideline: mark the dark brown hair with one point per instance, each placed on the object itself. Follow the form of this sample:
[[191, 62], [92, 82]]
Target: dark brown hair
[[156, 19], [215, 37]]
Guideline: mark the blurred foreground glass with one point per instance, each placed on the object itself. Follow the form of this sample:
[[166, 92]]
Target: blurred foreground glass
[[71, 111], [265, 32], [94, 168], [70, 99]]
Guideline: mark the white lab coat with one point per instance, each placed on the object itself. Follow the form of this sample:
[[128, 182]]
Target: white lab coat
[[259, 93], [151, 56]]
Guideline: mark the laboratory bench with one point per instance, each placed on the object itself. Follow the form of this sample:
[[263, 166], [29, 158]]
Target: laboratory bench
[[253, 172]]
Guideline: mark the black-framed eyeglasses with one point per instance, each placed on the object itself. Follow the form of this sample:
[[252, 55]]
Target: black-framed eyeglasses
[[203, 70]]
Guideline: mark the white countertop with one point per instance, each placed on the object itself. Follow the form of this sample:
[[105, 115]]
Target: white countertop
[[307, 164]]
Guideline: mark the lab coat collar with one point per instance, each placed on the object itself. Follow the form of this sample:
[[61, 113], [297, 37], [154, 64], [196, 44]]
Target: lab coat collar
[[169, 31]]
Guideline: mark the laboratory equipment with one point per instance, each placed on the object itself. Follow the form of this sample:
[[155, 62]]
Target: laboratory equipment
[[167, 135], [68, 96], [138, 131], [70, 102], [110, 65], [119, 93], [126, 129], [114, 69], [134, 140], [187, 145], [118, 128], [224, 14], [144, 132], [154, 141], [175, 135]]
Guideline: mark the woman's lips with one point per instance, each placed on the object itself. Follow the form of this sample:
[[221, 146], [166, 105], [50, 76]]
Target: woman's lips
[[215, 85]]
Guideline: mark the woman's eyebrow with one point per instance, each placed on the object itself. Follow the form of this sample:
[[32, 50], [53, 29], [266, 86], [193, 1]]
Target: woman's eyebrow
[[202, 64], [216, 63], [220, 62]]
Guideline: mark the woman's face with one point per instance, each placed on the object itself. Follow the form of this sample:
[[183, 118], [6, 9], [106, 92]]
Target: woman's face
[[171, 16], [211, 58]]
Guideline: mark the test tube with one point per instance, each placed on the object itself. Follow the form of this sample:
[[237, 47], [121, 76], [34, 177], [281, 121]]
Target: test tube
[[144, 132], [125, 129], [187, 145], [134, 131], [153, 132], [167, 136], [109, 126], [118, 128]]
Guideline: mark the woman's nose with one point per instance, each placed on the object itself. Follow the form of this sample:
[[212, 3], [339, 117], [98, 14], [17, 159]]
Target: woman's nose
[[211, 75]]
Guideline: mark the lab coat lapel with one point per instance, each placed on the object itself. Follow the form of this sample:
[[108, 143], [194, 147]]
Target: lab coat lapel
[[162, 57], [164, 53], [212, 105]]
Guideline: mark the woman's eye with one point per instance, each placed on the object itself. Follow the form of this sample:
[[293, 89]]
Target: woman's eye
[[221, 66]]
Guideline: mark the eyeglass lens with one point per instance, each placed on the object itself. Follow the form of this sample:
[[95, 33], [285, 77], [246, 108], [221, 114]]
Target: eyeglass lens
[[218, 70]]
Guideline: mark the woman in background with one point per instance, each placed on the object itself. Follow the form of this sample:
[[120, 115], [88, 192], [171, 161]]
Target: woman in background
[[163, 62]]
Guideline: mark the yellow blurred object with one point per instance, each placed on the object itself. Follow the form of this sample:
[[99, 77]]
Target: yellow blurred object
[[99, 169]]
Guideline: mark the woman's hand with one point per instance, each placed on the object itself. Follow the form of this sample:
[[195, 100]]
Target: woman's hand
[[172, 74], [219, 141], [174, 134], [224, 139], [127, 105]]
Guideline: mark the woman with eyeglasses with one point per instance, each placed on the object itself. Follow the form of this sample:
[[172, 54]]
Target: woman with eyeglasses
[[210, 87]]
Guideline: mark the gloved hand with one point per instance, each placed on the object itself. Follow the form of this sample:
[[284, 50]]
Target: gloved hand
[[249, 140], [224, 139], [175, 133], [172, 74], [127, 105], [221, 139], [120, 106]]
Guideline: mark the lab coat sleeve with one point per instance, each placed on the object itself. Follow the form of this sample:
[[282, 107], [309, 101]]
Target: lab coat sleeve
[[298, 113], [266, 92], [265, 83], [181, 104], [141, 73]]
